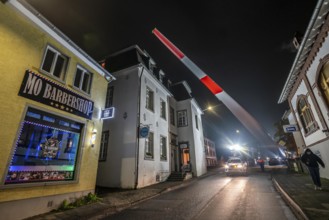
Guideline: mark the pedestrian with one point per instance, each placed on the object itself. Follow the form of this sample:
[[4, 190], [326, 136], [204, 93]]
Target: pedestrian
[[312, 162], [261, 163]]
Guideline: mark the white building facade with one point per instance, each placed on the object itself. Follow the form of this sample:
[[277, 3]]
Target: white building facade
[[152, 134], [186, 131], [190, 136], [137, 147], [307, 90]]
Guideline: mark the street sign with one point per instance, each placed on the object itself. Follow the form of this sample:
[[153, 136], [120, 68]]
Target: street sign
[[144, 131], [107, 113], [290, 128]]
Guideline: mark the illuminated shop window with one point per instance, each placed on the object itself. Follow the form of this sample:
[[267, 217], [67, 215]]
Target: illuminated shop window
[[54, 63], [46, 149]]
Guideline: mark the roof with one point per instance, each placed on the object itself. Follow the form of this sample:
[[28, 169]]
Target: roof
[[134, 56], [181, 91], [312, 31], [125, 58]]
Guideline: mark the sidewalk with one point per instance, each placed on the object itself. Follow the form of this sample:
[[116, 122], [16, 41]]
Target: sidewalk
[[116, 200], [296, 189]]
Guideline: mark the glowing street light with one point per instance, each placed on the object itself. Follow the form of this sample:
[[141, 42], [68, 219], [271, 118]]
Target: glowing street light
[[235, 147], [210, 108]]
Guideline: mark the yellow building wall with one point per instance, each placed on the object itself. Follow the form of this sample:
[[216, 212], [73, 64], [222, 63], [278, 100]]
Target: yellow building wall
[[22, 47]]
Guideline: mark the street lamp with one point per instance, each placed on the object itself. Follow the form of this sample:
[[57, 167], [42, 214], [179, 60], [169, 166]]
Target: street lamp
[[210, 108], [235, 149]]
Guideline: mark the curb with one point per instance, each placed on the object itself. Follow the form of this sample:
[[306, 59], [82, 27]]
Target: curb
[[300, 215]]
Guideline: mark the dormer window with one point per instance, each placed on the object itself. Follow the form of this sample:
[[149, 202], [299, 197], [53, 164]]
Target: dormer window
[[161, 76]]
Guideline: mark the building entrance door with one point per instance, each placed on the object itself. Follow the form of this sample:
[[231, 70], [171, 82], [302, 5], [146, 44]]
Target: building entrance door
[[173, 164]]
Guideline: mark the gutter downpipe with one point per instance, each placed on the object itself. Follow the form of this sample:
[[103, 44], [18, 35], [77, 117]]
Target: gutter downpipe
[[307, 33], [138, 125]]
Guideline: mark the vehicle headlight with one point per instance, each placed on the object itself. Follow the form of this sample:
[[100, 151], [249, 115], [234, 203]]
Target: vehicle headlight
[[226, 166], [239, 166]]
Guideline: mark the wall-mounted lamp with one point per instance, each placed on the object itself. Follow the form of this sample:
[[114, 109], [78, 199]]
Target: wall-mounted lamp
[[93, 137]]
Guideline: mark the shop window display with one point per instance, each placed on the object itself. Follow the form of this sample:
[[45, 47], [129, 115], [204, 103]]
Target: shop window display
[[46, 149]]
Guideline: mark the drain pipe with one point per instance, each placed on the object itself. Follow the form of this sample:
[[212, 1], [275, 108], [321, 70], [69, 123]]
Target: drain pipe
[[138, 126]]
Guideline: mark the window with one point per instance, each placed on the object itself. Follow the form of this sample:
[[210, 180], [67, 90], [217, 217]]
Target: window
[[104, 144], [169, 83], [149, 146], [54, 63], [109, 97], [173, 139], [46, 150], [196, 122], [149, 99], [306, 116], [323, 82], [161, 76], [83, 79], [172, 115], [163, 148], [182, 118], [162, 109]]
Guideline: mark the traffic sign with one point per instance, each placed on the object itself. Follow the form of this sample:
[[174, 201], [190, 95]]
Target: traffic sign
[[144, 131], [290, 128]]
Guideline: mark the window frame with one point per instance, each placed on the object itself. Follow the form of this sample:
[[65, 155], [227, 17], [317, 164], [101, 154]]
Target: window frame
[[196, 122], [182, 120], [163, 109], [163, 148], [306, 116], [172, 116], [104, 146], [149, 146], [149, 99], [109, 96], [323, 81], [84, 72], [51, 72], [42, 117]]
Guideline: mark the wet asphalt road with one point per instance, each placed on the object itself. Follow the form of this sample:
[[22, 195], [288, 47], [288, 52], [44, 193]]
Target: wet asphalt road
[[215, 197]]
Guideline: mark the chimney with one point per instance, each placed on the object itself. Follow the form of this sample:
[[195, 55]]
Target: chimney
[[297, 39]]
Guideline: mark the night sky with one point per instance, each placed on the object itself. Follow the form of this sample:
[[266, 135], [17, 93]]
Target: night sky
[[245, 46]]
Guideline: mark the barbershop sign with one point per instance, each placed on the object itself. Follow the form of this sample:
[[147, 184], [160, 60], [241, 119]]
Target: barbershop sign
[[45, 91]]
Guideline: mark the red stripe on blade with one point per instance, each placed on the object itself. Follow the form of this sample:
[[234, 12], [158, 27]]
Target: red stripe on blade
[[211, 85], [179, 54]]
